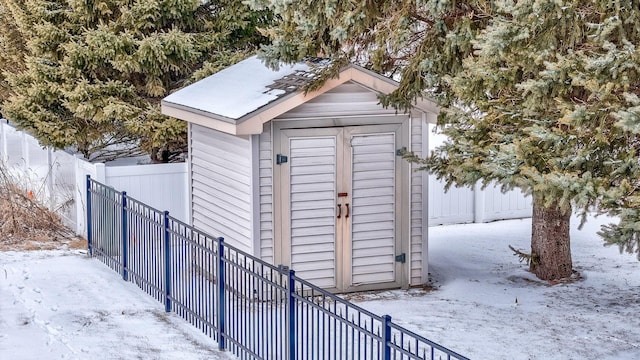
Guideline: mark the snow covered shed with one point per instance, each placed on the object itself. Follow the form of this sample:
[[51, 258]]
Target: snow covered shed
[[309, 180]]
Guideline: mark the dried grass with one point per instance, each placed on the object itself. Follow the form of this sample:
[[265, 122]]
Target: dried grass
[[26, 224]]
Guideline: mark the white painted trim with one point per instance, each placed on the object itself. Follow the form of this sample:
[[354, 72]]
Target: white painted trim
[[405, 199], [409, 184], [277, 175], [425, 201], [198, 118]]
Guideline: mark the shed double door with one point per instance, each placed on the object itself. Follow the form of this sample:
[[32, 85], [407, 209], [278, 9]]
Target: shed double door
[[340, 208]]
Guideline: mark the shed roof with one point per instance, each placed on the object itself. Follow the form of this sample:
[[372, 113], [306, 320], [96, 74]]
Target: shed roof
[[242, 97]]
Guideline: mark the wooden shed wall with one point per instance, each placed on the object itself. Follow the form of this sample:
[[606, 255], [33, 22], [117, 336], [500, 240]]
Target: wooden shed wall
[[221, 185]]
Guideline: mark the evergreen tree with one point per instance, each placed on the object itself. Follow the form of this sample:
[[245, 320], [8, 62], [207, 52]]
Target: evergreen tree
[[12, 49], [542, 95], [95, 71]]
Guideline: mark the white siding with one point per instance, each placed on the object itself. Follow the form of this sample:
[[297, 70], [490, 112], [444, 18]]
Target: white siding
[[416, 204], [221, 185], [346, 99], [313, 196], [266, 196], [373, 212]]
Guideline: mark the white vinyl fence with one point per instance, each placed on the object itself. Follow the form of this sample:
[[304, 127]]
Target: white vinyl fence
[[466, 205], [58, 178]]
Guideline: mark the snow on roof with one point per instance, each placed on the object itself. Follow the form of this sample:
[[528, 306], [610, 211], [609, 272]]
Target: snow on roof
[[235, 91]]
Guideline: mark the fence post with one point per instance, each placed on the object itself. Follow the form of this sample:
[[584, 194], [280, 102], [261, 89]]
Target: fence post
[[386, 337], [3, 142], [51, 179], [89, 247], [167, 263], [221, 302], [291, 304], [125, 273], [25, 150]]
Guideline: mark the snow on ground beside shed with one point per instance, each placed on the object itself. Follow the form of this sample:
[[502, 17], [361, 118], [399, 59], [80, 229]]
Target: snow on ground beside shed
[[474, 311], [63, 305]]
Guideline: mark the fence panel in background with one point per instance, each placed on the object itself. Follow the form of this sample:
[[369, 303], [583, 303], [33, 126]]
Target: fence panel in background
[[58, 178], [162, 186], [472, 204], [455, 206], [252, 308]]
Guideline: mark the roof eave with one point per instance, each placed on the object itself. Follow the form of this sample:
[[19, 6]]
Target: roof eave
[[198, 116], [252, 123]]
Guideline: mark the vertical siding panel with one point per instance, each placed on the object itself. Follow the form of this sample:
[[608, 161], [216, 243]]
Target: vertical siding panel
[[266, 196], [416, 204], [221, 185]]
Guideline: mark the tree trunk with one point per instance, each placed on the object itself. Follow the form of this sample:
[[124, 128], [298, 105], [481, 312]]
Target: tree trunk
[[550, 243]]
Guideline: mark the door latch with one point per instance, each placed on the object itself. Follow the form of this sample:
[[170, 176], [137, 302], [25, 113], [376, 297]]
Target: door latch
[[281, 159]]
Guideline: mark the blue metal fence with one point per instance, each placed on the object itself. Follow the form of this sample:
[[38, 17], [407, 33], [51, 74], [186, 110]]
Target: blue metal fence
[[251, 308]]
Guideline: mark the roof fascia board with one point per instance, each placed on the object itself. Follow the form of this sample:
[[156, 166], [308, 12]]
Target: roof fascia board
[[198, 117]]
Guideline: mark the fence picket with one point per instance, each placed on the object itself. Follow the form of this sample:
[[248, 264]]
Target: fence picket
[[167, 263], [125, 252], [89, 227], [292, 314], [221, 292]]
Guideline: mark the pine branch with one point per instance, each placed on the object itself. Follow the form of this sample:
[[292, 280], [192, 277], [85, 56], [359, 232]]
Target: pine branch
[[524, 257]]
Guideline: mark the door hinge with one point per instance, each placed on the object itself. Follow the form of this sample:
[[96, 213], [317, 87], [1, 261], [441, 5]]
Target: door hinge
[[402, 258], [281, 159], [401, 151]]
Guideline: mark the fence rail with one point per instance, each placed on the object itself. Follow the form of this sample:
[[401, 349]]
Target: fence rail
[[251, 308]]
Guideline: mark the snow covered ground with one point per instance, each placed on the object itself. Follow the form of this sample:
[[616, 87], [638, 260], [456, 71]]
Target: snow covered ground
[[63, 305], [487, 306], [60, 304]]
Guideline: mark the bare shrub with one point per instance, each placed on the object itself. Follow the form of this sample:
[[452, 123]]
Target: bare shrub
[[25, 224]]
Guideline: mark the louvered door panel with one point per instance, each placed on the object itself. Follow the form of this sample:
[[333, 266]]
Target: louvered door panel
[[373, 225], [312, 205]]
